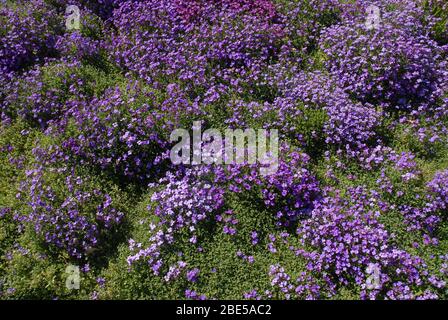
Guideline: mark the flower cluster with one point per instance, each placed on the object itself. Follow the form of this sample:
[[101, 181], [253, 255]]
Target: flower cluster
[[42, 95], [351, 207], [64, 208], [182, 205], [289, 192], [167, 41], [396, 65], [439, 187], [27, 37], [351, 244], [115, 136]]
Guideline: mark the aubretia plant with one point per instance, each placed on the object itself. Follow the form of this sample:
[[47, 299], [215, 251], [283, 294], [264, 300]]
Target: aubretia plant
[[350, 239], [115, 136], [356, 207], [66, 210], [289, 192], [169, 43], [42, 95], [183, 204], [28, 35], [389, 65]]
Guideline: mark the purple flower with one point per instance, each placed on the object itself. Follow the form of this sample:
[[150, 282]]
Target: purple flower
[[192, 275]]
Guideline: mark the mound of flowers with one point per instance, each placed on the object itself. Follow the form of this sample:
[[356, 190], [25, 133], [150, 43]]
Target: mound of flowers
[[354, 208]]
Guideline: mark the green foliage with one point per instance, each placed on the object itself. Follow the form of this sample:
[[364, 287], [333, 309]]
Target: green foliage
[[439, 10]]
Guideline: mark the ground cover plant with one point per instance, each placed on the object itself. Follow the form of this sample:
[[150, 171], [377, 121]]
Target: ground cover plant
[[92, 207]]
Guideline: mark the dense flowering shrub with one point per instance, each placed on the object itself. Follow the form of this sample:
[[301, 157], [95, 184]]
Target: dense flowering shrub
[[103, 8], [124, 131], [427, 218], [183, 203], [189, 197], [439, 187], [289, 192], [304, 287], [73, 45], [42, 95], [65, 209], [388, 65], [354, 208], [27, 36], [350, 241]]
